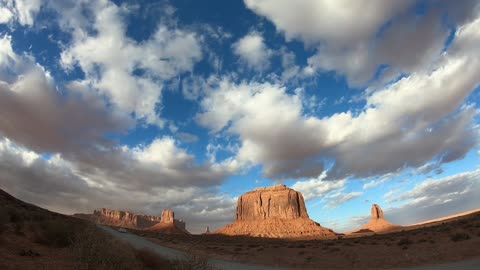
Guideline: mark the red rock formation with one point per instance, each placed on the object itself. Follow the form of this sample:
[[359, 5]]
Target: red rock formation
[[377, 212], [167, 216], [277, 212], [169, 225], [378, 223], [118, 218]]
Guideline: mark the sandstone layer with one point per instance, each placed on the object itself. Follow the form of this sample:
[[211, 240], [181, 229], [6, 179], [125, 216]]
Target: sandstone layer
[[169, 224], [276, 212], [120, 218], [378, 223]]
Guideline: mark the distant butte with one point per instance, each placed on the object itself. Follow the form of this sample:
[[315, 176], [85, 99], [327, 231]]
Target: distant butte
[[120, 218], [169, 225], [166, 224], [275, 212], [378, 223]]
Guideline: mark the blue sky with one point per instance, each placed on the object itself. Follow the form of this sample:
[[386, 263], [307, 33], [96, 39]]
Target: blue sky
[[146, 105]]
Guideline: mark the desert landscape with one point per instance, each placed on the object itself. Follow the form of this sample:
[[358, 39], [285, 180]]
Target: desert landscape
[[239, 134], [271, 228]]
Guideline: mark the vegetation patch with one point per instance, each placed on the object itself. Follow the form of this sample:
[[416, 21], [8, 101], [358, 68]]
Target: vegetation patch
[[459, 237]]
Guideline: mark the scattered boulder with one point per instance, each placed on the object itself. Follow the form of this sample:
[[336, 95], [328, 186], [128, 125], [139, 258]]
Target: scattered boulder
[[275, 212]]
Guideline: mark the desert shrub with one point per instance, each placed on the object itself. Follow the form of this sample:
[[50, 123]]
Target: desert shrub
[[4, 220], [192, 262], [15, 215], [93, 249], [459, 237], [18, 228], [405, 242], [151, 260], [55, 233]]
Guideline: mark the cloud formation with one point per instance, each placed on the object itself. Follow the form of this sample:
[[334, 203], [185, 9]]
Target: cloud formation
[[385, 35], [252, 50], [419, 118], [129, 72]]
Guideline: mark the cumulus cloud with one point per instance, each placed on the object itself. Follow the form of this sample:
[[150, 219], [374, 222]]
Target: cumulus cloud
[[406, 124], [35, 113], [385, 34], [436, 198], [252, 50], [128, 72], [21, 11], [82, 169], [318, 187], [58, 185]]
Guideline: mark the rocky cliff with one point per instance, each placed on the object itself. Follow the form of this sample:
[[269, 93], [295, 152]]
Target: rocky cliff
[[378, 223], [120, 218], [273, 202], [169, 224], [277, 212]]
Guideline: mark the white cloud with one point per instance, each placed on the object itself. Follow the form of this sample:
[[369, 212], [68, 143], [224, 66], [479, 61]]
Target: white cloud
[[22, 11], [5, 15], [416, 120], [435, 198], [318, 187], [58, 185], [35, 113], [380, 180], [129, 73], [385, 34], [252, 50], [339, 198]]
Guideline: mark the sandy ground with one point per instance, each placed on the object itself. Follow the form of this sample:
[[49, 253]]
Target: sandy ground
[[453, 241], [12, 245]]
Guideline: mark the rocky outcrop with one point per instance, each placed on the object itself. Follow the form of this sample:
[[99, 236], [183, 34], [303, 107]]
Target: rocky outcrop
[[167, 216], [274, 202], [377, 212], [276, 212], [378, 223], [169, 224], [120, 218]]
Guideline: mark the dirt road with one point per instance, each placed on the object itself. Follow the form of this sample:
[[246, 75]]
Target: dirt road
[[142, 243]]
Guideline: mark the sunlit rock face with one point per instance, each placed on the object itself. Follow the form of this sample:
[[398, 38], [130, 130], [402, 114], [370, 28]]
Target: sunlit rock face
[[377, 212], [124, 219], [378, 223], [276, 212], [169, 224], [167, 216], [272, 202]]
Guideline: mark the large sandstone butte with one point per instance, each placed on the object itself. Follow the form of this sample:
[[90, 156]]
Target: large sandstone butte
[[119, 218], [276, 212], [169, 224], [378, 223]]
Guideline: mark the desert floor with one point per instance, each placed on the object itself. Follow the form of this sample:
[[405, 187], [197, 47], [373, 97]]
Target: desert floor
[[442, 242]]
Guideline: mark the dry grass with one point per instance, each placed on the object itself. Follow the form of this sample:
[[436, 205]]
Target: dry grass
[[192, 262]]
